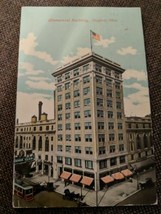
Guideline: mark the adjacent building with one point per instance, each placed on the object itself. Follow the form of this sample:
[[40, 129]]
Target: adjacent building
[[90, 121]]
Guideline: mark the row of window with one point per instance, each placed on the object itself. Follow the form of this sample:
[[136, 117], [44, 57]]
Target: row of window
[[136, 125], [89, 164], [35, 128], [88, 137]]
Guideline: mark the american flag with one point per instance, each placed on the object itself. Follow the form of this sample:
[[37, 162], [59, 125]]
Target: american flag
[[95, 36]]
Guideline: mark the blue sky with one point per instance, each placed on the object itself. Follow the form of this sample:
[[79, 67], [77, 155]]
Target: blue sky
[[51, 36]]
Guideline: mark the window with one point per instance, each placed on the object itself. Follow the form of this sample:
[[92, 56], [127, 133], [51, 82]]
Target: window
[[88, 137], [87, 113], [86, 79], [76, 72], [109, 83], [60, 107], [138, 142], [67, 105], [60, 137], [46, 144], [59, 98], [68, 148], [59, 159], [77, 104], [67, 85], [102, 150], [76, 82], [40, 128], [67, 75], [86, 90], [34, 128], [117, 75], [99, 91], [78, 149], [113, 161], [77, 137], [99, 102], [118, 105], [111, 125], [112, 148], [87, 102], [77, 114], [109, 93], [77, 126], [110, 114], [119, 125], [47, 128], [121, 147], [118, 95], [33, 143], [108, 72], [67, 116], [88, 150], [101, 138], [68, 137], [51, 158], [85, 67], [68, 126], [100, 125], [119, 115], [68, 161], [46, 157], [59, 88], [88, 125], [76, 93], [111, 137], [99, 113], [51, 147], [59, 79], [59, 148], [103, 164], [88, 164], [117, 85], [60, 127], [99, 79], [109, 103], [67, 96], [77, 162], [122, 159], [59, 116], [98, 67]]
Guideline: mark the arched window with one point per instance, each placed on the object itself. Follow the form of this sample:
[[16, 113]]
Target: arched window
[[21, 141], [34, 143], [145, 140], [47, 144], [40, 144], [138, 142]]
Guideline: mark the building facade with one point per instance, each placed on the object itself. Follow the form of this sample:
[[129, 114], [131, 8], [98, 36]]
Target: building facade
[[37, 137], [89, 116]]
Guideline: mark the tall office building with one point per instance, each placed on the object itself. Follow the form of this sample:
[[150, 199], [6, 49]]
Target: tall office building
[[90, 121]]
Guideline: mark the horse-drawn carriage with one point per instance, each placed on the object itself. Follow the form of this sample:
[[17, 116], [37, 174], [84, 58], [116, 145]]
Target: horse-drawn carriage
[[71, 195]]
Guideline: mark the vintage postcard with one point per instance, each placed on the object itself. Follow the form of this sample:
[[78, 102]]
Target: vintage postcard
[[83, 133]]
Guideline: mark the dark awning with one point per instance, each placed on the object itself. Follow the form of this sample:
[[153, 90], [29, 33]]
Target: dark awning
[[143, 164]]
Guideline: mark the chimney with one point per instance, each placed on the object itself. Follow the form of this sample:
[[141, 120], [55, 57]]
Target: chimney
[[40, 110]]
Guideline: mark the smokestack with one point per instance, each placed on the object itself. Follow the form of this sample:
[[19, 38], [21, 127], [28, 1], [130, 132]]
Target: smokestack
[[40, 110]]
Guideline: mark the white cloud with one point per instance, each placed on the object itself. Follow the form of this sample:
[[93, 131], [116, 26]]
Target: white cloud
[[28, 46], [27, 106], [137, 103], [29, 69], [131, 73], [38, 78], [80, 52], [128, 50], [105, 42], [41, 85]]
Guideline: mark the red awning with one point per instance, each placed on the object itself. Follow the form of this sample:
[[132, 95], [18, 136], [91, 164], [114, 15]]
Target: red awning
[[126, 172], [75, 178], [118, 176], [86, 180], [107, 179], [65, 175]]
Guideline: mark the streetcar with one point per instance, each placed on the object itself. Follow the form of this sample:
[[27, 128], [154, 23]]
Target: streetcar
[[24, 191]]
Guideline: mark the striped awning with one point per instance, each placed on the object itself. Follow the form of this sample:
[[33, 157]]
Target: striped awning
[[65, 175], [86, 180], [126, 172], [107, 179], [75, 178], [118, 176]]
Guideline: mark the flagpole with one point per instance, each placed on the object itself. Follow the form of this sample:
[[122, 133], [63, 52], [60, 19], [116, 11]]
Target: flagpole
[[91, 41]]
